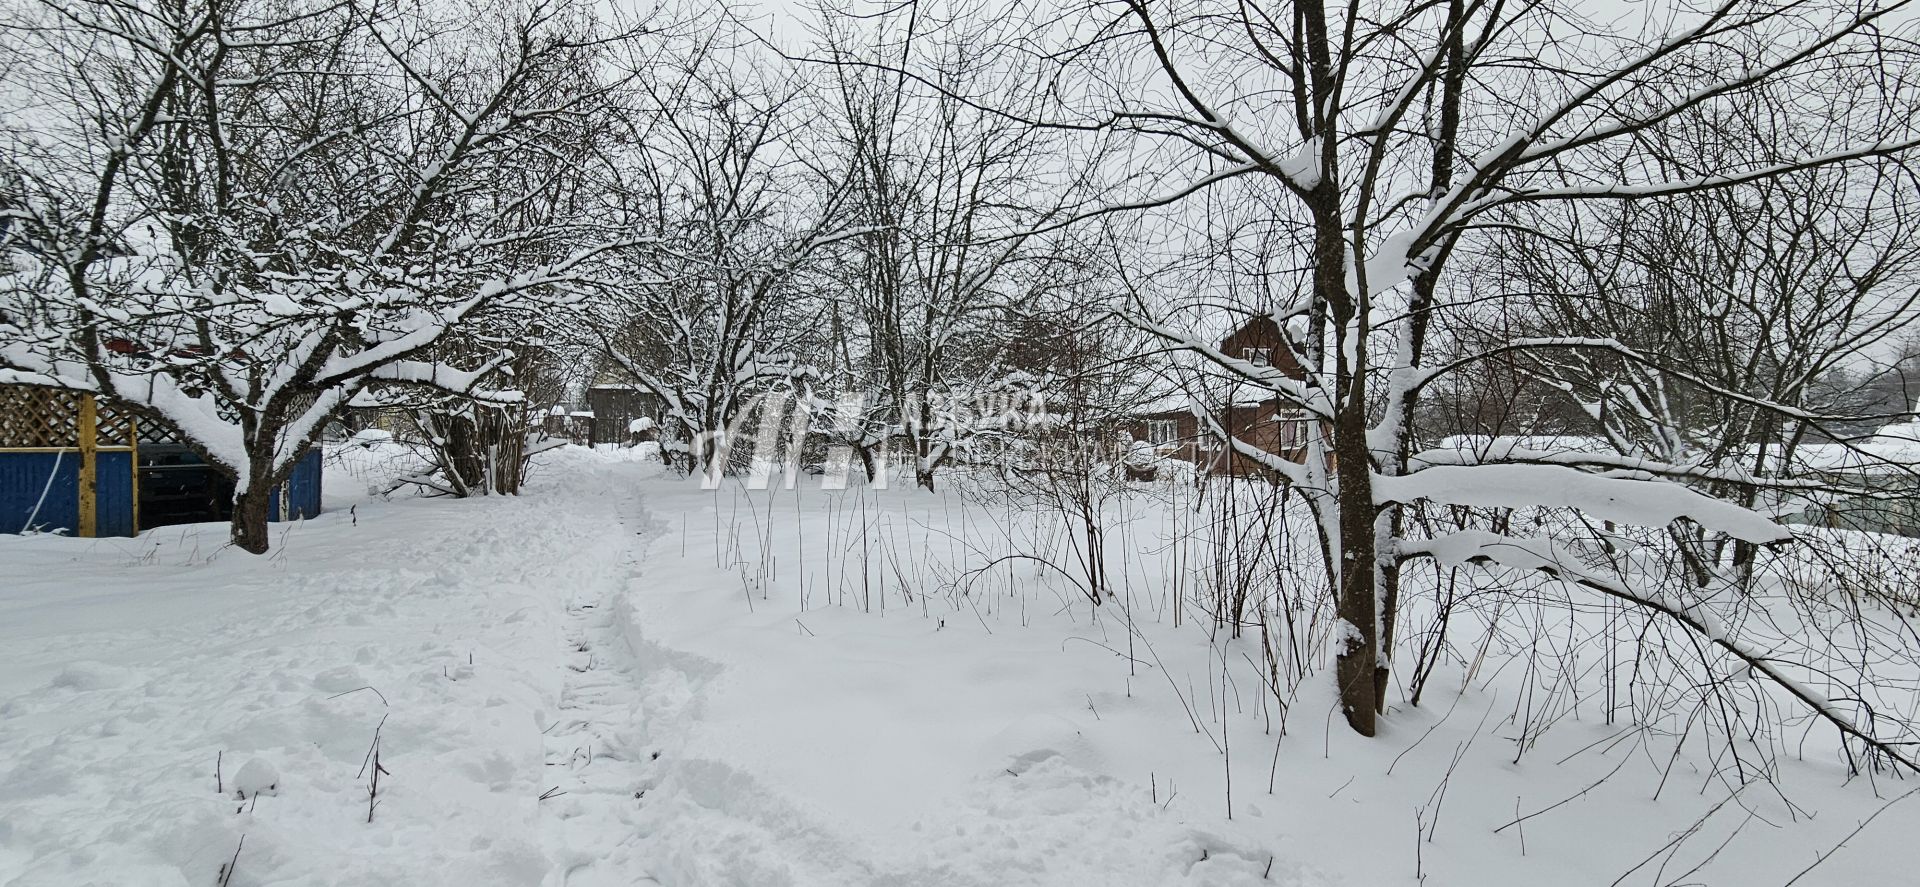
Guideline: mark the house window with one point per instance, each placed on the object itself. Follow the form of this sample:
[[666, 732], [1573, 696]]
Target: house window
[[1256, 356], [1293, 428], [1161, 432]]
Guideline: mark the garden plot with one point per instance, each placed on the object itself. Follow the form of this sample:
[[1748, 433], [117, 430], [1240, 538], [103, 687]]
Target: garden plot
[[621, 678]]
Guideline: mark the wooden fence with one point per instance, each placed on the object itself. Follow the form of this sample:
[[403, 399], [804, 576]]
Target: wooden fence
[[39, 427]]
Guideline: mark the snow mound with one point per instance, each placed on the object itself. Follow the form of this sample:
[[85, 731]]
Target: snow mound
[[89, 675], [344, 679], [370, 438], [256, 777]]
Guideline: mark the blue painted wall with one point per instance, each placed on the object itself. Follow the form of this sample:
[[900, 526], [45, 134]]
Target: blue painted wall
[[302, 490], [113, 493], [25, 477]]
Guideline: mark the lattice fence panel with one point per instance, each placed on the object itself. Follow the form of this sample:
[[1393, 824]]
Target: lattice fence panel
[[154, 432], [38, 417], [33, 417], [113, 428]]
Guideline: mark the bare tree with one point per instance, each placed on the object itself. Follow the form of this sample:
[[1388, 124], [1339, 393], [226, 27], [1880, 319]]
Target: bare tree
[[476, 445], [950, 197], [1385, 136], [242, 215], [1730, 308], [712, 311]]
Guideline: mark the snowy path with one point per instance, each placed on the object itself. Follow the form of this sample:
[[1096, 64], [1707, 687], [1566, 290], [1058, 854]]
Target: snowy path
[[839, 749], [632, 803], [596, 754]]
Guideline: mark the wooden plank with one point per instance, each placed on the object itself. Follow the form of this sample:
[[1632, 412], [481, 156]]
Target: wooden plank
[[89, 494]]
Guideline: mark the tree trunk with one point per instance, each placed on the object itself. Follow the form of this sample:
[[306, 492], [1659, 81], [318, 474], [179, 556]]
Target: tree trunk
[[923, 461], [709, 456], [1358, 603], [461, 446], [1357, 599], [250, 514], [510, 457], [1425, 285]]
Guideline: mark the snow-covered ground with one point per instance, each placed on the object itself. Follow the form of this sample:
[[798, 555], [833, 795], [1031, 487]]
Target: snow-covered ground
[[621, 678]]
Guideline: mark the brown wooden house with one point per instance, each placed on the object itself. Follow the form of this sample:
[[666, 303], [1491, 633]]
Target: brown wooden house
[[1247, 412]]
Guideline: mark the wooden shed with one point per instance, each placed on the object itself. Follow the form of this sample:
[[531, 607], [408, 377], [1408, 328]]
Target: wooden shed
[[614, 408]]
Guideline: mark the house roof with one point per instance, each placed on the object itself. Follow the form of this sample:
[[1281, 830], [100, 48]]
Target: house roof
[[1262, 331]]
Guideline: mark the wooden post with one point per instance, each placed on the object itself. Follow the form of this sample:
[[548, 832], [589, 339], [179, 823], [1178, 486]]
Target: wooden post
[[133, 465], [89, 500]]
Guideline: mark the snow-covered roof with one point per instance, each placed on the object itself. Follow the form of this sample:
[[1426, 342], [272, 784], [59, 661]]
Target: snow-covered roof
[[1899, 435], [1894, 448], [1241, 395], [1506, 446]]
